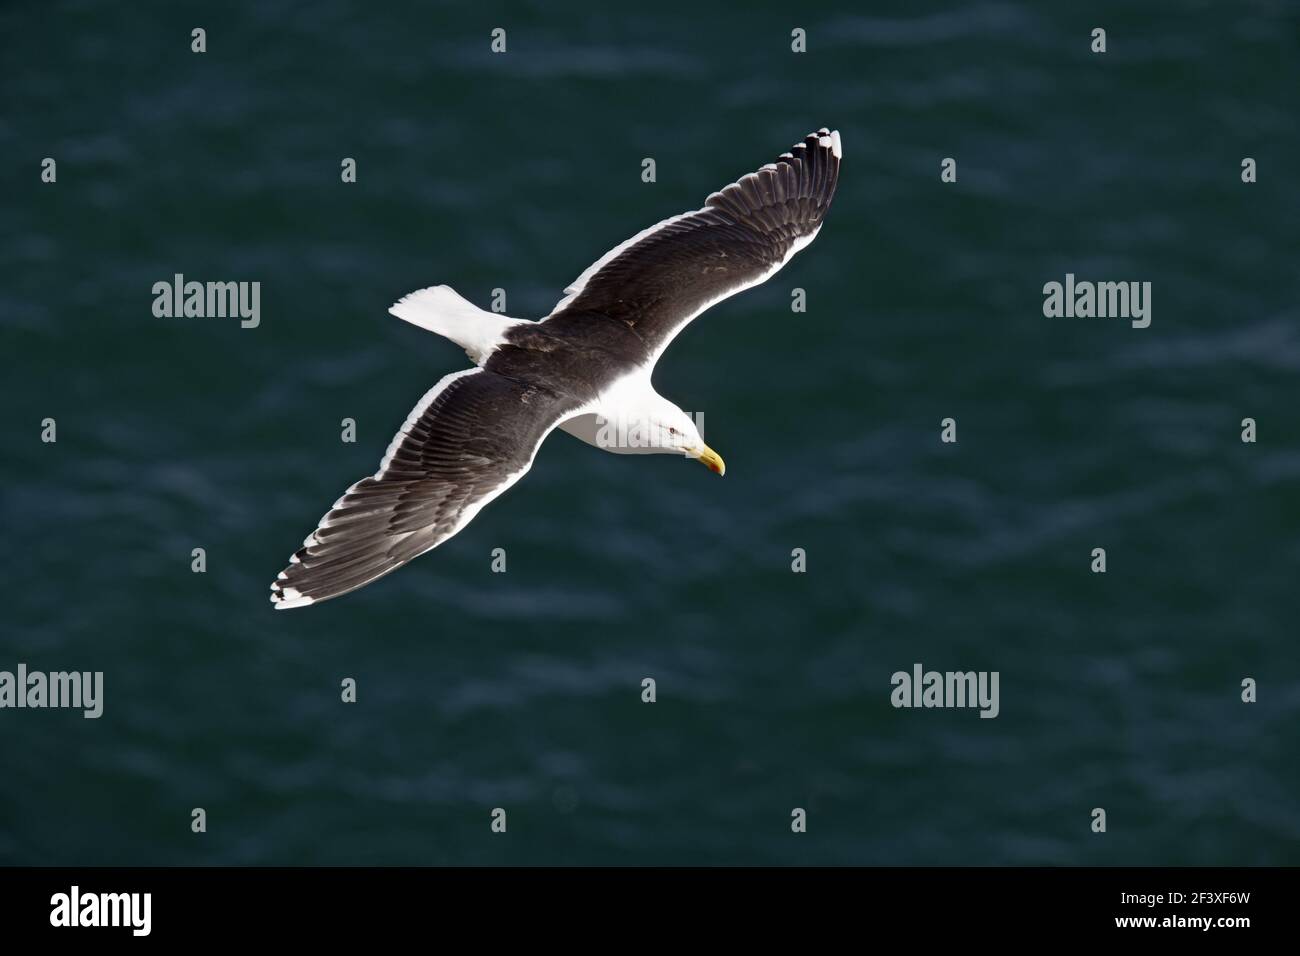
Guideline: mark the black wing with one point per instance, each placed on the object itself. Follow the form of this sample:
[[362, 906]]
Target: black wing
[[663, 277], [471, 437]]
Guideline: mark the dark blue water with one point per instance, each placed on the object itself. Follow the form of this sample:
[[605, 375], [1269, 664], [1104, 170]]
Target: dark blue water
[[522, 690]]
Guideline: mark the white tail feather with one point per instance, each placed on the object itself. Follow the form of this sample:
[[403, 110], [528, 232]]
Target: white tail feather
[[442, 310]]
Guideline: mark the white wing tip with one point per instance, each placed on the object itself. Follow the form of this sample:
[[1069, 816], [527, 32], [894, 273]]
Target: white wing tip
[[830, 139], [285, 598]]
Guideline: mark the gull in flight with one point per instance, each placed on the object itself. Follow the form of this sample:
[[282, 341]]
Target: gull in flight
[[585, 369]]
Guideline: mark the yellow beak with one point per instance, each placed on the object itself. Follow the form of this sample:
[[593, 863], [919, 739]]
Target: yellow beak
[[710, 459]]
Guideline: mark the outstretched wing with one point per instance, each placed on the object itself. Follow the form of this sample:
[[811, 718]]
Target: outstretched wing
[[664, 276], [471, 437]]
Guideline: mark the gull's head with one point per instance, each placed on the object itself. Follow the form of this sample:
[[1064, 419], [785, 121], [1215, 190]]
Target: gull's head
[[672, 430]]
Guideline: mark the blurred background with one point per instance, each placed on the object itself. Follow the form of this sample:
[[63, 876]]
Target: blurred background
[[523, 690]]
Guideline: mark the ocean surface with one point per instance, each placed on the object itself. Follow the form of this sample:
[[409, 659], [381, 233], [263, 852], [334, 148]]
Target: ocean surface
[[522, 690]]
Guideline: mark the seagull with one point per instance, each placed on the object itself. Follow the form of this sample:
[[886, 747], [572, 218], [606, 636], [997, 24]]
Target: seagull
[[585, 368]]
